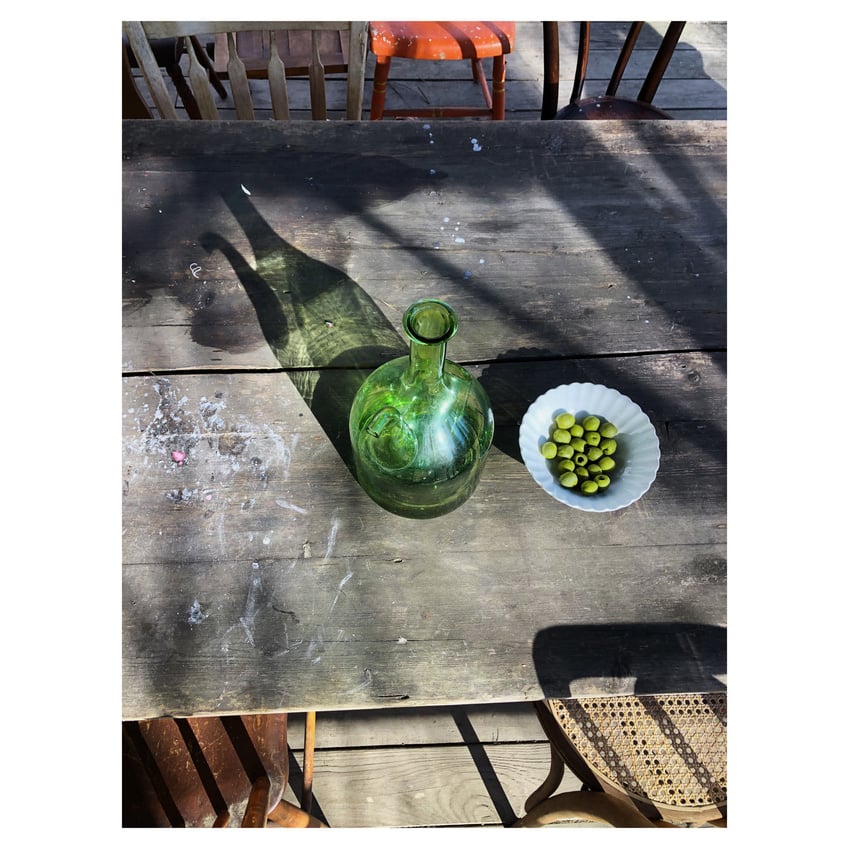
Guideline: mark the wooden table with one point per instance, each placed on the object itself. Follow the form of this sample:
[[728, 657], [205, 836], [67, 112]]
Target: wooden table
[[266, 268]]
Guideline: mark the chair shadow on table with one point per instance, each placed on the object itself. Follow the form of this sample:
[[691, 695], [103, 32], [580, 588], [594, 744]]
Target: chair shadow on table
[[323, 328], [613, 659], [636, 658]]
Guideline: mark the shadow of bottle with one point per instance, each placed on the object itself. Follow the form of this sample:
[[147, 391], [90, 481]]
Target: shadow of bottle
[[323, 328]]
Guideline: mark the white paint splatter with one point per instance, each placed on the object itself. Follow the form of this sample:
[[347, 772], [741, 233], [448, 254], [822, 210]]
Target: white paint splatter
[[247, 621], [293, 507], [331, 537], [196, 613], [368, 678], [339, 590]]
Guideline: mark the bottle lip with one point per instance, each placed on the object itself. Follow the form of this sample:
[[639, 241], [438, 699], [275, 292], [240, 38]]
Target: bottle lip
[[430, 321]]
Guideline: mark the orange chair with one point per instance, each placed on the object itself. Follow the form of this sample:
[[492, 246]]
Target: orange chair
[[437, 41]]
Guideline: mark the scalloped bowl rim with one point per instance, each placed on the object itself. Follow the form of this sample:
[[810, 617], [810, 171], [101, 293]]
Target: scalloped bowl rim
[[637, 438]]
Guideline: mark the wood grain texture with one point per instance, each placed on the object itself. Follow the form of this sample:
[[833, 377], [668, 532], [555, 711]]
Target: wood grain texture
[[265, 273], [644, 249], [482, 785]]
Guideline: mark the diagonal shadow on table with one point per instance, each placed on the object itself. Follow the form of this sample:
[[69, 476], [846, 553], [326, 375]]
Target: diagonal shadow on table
[[313, 316]]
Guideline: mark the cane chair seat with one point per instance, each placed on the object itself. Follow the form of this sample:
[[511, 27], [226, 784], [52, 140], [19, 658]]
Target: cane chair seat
[[664, 756]]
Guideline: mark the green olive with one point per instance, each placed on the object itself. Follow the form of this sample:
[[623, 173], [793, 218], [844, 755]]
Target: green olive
[[582, 451], [608, 446], [606, 463], [568, 479]]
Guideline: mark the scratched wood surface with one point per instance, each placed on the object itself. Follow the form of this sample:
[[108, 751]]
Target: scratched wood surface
[[265, 272]]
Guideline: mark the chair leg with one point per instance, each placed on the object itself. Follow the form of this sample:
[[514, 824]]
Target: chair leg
[[309, 760], [290, 816], [256, 812], [183, 91], [499, 83], [204, 59], [481, 80], [551, 783], [378, 92], [551, 69]]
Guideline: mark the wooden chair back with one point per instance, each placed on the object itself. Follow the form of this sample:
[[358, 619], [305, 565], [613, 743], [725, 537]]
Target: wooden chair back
[[214, 771], [610, 105], [276, 35]]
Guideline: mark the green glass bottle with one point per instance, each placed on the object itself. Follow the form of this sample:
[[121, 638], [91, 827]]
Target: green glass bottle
[[421, 426]]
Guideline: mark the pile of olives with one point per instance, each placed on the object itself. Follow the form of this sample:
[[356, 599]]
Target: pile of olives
[[581, 453]]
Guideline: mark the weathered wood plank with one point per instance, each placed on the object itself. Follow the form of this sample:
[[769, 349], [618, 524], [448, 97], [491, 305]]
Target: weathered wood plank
[[319, 587], [403, 239], [416, 727], [429, 786]]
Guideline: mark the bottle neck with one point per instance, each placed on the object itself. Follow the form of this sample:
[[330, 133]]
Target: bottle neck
[[429, 324], [427, 360]]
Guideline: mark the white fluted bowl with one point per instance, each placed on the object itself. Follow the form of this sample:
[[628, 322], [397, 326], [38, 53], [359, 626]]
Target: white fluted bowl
[[637, 454]]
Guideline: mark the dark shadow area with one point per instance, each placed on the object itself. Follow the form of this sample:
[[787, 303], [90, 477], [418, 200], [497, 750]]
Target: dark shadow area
[[484, 767], [313, 316], [296, 782], [146, 800], [665, 657]]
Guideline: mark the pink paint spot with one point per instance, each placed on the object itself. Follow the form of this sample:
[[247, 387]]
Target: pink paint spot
[[178, 457]]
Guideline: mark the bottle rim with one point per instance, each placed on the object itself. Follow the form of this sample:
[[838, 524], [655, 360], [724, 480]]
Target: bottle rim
[[430, 321]]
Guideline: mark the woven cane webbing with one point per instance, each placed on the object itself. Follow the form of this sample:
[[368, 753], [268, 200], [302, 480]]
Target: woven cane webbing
[[668, 749]]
